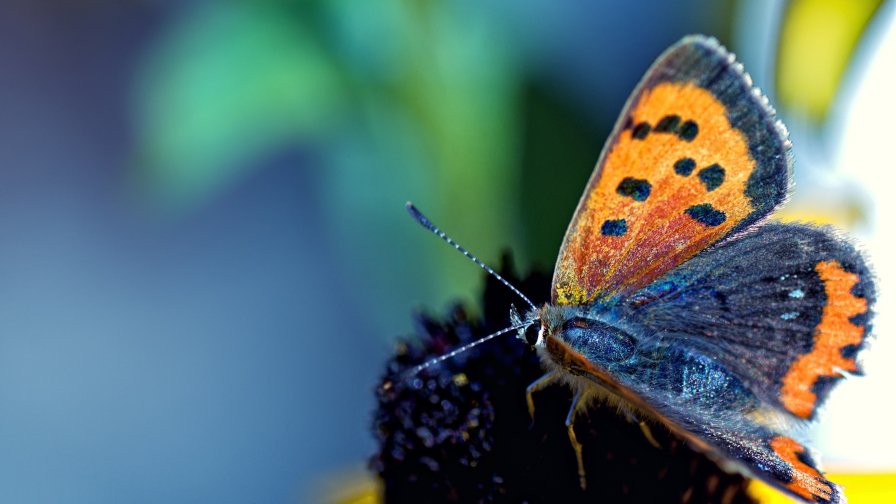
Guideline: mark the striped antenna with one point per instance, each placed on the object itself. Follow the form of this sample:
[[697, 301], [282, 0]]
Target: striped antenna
[[420, 367], [419, 217]]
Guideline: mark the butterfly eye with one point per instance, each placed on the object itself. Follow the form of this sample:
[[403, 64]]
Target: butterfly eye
[[532, 334]]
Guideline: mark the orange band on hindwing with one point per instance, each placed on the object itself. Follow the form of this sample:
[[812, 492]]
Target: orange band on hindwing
[[834, 333], [807, 481]]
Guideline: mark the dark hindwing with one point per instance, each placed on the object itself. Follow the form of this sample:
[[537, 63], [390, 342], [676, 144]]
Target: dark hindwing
[[764, 453], [785, 308]]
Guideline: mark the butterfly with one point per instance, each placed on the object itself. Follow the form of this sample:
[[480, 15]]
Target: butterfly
[[674, 299]]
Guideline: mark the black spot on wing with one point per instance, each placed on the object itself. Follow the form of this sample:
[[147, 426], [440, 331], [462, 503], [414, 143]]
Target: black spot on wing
[[636, 189], [641, 130], [704, 213], [688, 131], [668, 124], [712, 176], [614, 227], [685, 166]]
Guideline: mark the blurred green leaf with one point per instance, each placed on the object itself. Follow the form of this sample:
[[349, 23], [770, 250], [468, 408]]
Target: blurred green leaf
[[226, 84], [437, 122], [400, 100]]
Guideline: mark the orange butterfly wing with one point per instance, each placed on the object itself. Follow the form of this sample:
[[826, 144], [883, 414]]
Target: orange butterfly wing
[[696, 156]]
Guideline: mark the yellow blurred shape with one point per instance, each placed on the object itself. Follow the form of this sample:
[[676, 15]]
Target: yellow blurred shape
[[356, 487], [366, 497], [818, 38], [843, 215], [871, 488], [864, 488]]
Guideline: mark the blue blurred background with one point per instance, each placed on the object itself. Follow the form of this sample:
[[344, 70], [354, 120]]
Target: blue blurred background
[[204, 257]]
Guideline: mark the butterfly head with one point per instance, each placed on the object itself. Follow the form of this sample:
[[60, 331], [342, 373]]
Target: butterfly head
[[531, 328], [540, 324], [577, 330]]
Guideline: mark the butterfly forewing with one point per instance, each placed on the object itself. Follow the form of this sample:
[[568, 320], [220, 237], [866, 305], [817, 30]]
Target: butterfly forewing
[[696, 156]]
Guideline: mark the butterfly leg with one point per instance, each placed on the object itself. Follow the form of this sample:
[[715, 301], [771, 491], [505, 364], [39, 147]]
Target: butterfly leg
[[535, 387], [645, 429], [570, 427]]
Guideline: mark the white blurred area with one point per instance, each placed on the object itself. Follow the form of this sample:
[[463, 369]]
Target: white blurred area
[[857, 430]]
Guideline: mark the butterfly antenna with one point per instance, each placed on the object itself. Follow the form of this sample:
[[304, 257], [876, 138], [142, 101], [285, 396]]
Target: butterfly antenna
[[518, 323], [419, 217], [420, 367]]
